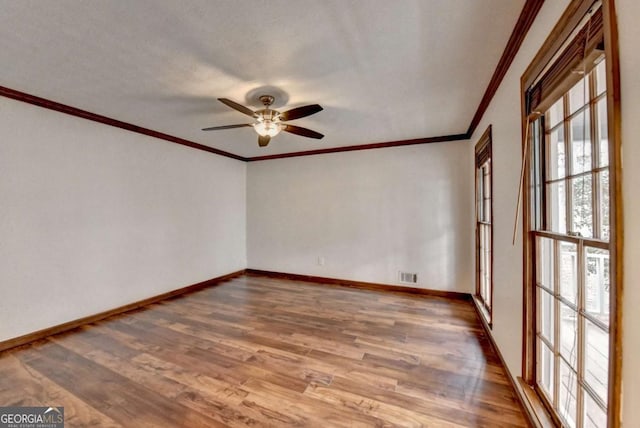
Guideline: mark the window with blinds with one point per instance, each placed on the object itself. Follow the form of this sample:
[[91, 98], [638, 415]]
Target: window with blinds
[[568, 204]]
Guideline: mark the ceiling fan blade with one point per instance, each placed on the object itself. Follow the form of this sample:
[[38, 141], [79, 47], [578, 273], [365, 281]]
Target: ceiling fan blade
[[263, 140], [298, 130], [215, 128], [298, 112], [234, 105]]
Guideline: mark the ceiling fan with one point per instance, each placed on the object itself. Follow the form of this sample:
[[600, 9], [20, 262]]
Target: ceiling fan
[[268, 122]]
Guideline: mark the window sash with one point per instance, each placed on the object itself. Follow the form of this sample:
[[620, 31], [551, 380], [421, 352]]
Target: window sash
[[585, 392], [572, 410]]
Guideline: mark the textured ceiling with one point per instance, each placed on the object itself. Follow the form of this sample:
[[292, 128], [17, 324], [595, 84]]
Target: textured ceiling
[[383, 70]]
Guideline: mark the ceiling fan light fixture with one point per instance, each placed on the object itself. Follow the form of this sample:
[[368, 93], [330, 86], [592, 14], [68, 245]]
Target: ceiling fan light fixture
[[269, 122], [267, 128]]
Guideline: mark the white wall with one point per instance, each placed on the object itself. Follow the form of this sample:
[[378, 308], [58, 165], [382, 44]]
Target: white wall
[[94, 217], [368, 213], [504, 115], [629, 32]]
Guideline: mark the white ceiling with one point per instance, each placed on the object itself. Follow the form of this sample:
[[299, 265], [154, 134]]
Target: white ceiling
[[383, 70]]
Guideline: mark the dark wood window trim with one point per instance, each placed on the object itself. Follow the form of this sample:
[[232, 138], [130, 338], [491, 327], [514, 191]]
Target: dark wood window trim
[[484, 224], [531, 105]]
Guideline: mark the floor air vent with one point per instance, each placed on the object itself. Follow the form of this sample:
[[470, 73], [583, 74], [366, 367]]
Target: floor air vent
[[408, 278]]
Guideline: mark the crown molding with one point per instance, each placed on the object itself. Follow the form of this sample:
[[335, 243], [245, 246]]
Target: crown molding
[[525, 20], [74, 111], [455, 137]]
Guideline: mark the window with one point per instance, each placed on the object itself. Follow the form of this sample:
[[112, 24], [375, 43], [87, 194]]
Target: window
[[484, 230], [568, 262], [572, 276]]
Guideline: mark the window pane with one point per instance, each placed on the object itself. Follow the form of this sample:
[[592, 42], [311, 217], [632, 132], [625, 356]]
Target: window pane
[[555, 114], [567, 394], [568, 271], [594, 416], [487, 210], [485, 273], [597, 283], [601, 78], [581, 143], [603, 130], [545, 262], [536, 178], [577, 96], [547, 314], [557, 207], [479, 178], [582, 195], [569, 334], [596, 359], [484, 193], [546, 369], [604, 205], [556, 154], [481, 258], [487, 183]]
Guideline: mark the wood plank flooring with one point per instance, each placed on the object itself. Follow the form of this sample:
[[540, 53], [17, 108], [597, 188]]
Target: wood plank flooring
[[258, 351]]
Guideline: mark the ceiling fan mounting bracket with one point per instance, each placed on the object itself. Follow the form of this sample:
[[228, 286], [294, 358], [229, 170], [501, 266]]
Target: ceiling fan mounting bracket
[[267, 100]]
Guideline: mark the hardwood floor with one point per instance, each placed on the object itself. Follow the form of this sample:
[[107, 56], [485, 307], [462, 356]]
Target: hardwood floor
[[258, 351]]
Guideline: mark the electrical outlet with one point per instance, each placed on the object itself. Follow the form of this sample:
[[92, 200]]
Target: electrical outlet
[[320, 261]]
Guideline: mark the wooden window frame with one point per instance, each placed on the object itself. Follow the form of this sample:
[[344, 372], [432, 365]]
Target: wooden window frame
[[571, 18], [484, 153]]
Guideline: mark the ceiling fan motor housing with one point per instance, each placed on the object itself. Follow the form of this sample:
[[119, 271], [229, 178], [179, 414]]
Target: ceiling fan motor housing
[[267, 100]]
